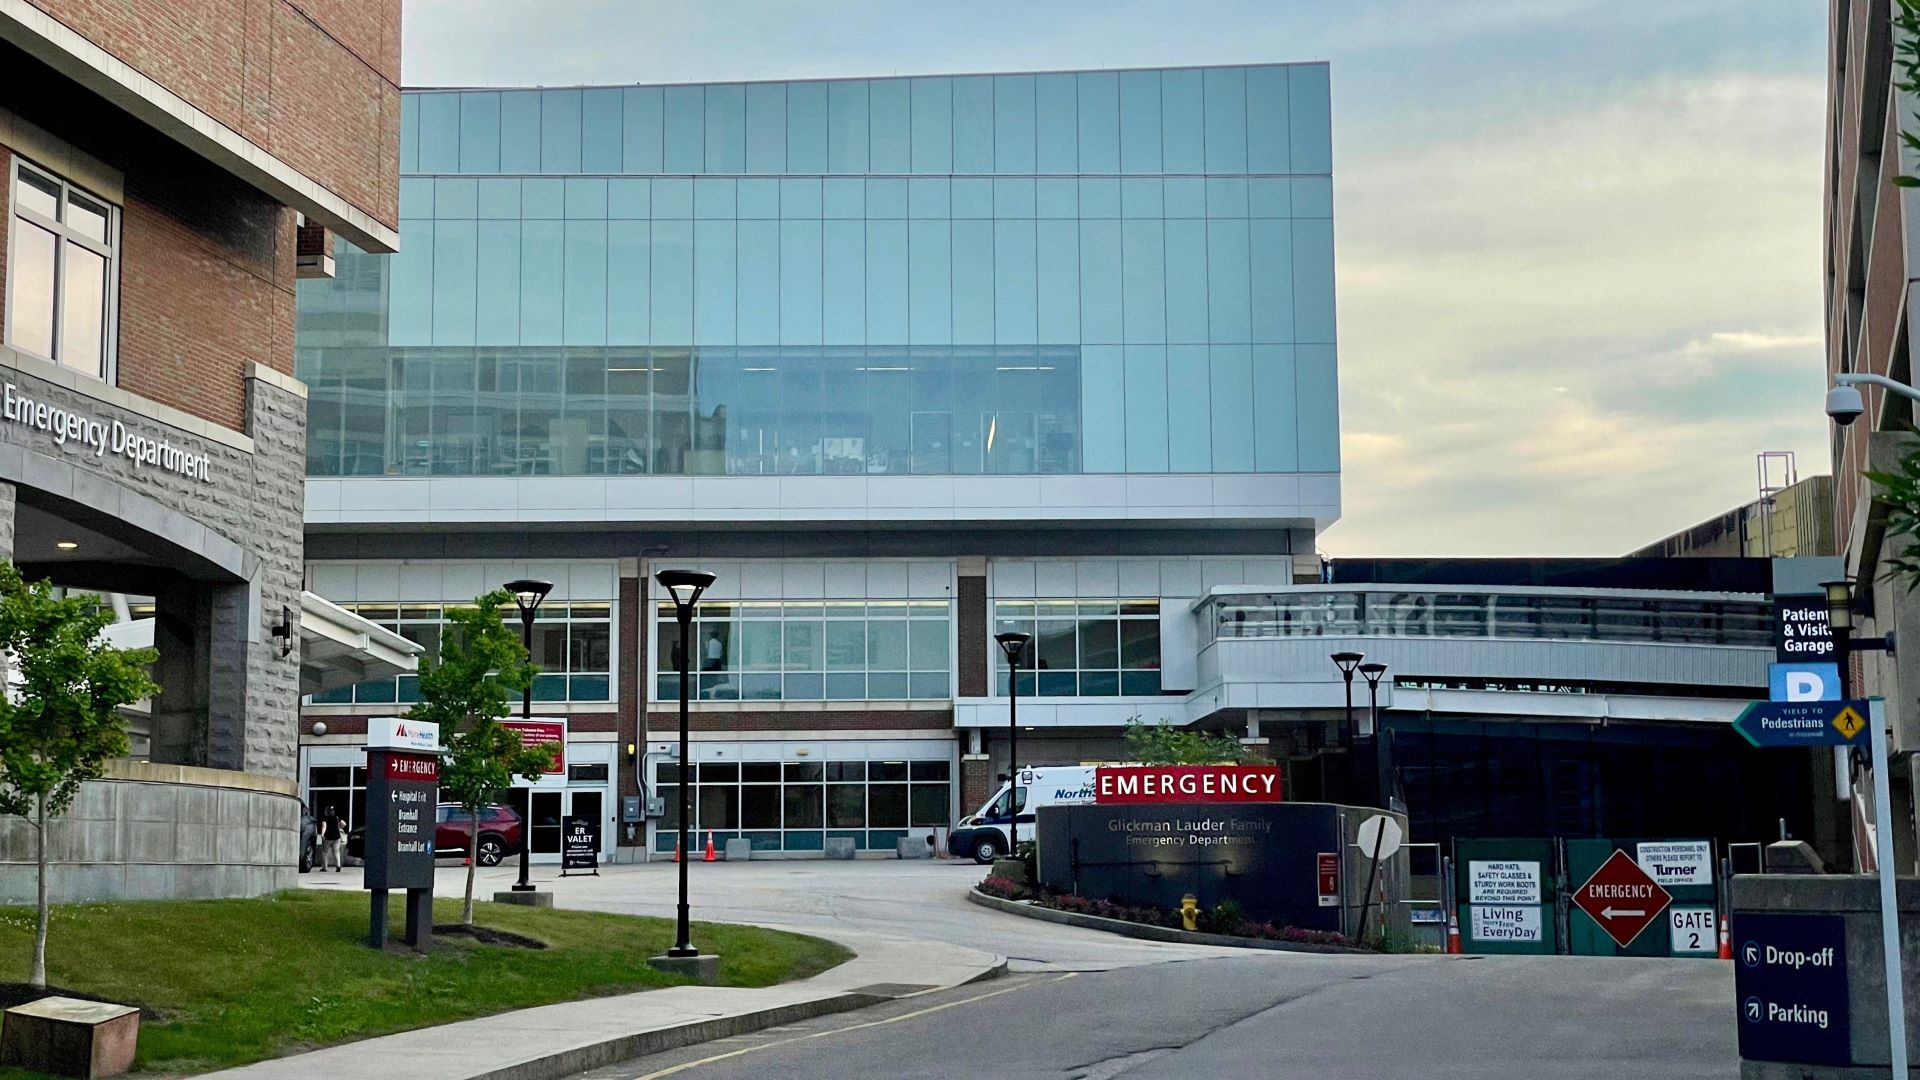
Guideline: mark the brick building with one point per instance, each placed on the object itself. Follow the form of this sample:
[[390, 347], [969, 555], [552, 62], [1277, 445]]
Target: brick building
[[158, 159]]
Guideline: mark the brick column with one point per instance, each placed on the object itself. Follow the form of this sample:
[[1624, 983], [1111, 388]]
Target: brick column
[[972, 622], [633, 691]]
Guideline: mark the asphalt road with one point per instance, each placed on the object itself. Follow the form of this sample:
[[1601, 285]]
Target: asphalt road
[[1086, 1005], [1280, 1017]]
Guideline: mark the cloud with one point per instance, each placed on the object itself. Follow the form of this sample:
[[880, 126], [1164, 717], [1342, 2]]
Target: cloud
[[1579, 326]]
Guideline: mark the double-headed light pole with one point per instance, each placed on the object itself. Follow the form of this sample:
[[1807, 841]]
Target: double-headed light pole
[[685, 586], [527, 595], [1014, 644]]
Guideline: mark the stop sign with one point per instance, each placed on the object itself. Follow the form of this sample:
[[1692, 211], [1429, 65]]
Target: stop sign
[[1622, 898]]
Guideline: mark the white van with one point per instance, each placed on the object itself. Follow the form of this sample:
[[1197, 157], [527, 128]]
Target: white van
[[984, 834]]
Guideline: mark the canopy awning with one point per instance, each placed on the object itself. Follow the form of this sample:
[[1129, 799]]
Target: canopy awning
[[337, 647]]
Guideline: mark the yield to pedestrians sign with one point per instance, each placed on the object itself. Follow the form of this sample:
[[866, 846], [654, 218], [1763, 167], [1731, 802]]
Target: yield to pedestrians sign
[[1802, 723], [1622, 898]]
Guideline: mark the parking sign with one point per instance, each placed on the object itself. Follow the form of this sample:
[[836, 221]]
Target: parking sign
[[1803, 682]]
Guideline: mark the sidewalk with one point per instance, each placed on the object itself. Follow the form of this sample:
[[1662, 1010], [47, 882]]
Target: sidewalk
[[557, 1040]]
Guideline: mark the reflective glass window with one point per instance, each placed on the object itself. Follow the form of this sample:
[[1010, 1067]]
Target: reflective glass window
[[1182, 122], [847, 127], [455, 197], [1100, 197], [1143, 284], [930, 282], [1229, 288], [800, 198], [672, 198], [1226, 123], [479, 132], [629, 197], [544, 198], [890, 120], [1231, 384], [972, 197], [1275, 405], [1057, 269], [1190, 409], [497, 283], [932, 124], [1313, 197], [1309, 118], [1015, 282], [519, 131], [1140, 121], [766, 128], [498, 199], [760, 299], [1318, 421], [714, 199], [1271, 278], [410, 133], [1313, 281], [1056, 123], [601, 132], [1226, 196], [685, 125], [1186, 280], [806, 127], [1140, 198], [1267, 120], [886, 282], [843, 282], [1103, 409], [642, 145], [1099, 102], [929, 198], [973, 124], [886, 198], [1100, 281], [1013, 124], [542, 274], [726, 138], [585, 310], [715, 281], [560, 131], [440, 133], [1146, 408], [973, 282], [629, 281], [454, 282], [586, 197], [672, 280], [1057, 198], [1013, 197], [801, 296]]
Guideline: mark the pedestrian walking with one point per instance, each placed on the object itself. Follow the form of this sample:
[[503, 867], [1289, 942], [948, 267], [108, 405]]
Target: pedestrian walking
[[333, 834]]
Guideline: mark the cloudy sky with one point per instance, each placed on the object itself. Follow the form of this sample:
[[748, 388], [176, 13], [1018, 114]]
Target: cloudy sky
[[1578, 240]]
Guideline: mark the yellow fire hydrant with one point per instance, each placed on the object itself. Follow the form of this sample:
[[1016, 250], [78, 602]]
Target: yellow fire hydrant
[[1190, 912]]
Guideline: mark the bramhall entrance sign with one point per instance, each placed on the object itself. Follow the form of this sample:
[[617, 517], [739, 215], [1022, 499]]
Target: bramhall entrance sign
[[403, 794]]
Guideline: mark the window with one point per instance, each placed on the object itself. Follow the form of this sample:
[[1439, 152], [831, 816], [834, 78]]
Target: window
[[572, 645], [1080, 648], [798, 805], [340, 787], [61, 274], [834, 650]]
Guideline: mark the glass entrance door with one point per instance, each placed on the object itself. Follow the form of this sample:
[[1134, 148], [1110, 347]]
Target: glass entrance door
[[544, 822]]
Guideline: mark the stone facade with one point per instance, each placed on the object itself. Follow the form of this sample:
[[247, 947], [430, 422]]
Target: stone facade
[[150, 832]]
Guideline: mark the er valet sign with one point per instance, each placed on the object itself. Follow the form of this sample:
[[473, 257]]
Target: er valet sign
[[1125, 784], [1622, 898]]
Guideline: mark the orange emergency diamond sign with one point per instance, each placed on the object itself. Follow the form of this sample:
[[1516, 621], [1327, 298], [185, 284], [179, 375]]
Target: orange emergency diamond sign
[[1848, 722]]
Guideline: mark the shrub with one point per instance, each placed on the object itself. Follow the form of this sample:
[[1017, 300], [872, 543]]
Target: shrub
[[1005, 888]]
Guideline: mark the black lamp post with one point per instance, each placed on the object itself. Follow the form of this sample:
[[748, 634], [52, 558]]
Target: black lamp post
[[527, 595], [1372, 673], [1013, 643], [1347, 662], [685, 586]]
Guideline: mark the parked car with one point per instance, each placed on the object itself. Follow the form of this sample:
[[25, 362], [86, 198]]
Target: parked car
[[309, 837], [500, 834]]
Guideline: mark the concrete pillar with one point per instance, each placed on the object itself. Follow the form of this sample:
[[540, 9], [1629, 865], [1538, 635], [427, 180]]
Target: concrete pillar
[[179, 710]]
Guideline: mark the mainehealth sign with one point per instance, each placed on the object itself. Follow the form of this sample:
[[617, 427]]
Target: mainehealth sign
[[102, 436]]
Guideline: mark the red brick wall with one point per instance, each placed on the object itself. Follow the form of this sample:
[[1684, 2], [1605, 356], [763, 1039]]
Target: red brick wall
[[632, 677], [315, 82]]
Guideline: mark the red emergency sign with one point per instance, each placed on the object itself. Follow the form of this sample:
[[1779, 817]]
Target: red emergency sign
[[1119, 784]]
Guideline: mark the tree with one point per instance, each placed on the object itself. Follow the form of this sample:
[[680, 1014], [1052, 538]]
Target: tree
[[1163, 744], [482, 667], [59, 717]]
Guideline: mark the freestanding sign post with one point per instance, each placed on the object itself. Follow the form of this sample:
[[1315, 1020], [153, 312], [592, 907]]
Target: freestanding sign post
[[403, 791], [1824, 723], [580, 847]]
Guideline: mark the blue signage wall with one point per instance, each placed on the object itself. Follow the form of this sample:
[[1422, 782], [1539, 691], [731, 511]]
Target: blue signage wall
[[1261, 855], [1790, 986]]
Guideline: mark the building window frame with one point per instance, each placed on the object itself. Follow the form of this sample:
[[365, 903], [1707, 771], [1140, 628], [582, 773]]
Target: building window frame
[[66, 236], [1122, 636]]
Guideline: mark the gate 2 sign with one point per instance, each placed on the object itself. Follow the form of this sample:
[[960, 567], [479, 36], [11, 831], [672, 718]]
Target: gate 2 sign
[[1622, 898]]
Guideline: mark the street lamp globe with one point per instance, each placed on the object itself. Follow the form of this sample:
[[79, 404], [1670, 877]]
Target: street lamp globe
[[528, 593], [685, 586]]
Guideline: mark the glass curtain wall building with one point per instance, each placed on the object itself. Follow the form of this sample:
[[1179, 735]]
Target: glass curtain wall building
[[871, 351], [1103, 272]]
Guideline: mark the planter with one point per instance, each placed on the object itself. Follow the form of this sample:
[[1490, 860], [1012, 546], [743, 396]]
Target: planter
[[1144, 932]]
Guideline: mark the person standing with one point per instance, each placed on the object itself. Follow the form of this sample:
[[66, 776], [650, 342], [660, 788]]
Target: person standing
[[333, 834]]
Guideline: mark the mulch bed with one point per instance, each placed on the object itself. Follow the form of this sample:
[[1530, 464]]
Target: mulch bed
[[487, 936]]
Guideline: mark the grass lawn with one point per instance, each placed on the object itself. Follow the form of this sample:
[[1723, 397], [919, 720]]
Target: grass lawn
[[235, 981]]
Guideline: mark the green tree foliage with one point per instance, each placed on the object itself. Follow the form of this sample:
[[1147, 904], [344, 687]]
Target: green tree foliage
[[1906, 60], [1163, 744], [1899, 491], [59, 718], [482, 667]]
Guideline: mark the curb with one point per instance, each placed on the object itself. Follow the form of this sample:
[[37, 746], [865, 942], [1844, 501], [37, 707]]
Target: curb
[[1154, 933], [642, 1043]]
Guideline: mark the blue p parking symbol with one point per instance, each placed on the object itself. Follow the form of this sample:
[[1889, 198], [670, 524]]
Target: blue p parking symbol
[[1803, 682]]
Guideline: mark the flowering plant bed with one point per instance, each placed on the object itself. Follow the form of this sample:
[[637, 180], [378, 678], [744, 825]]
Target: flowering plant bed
[[1221, 920]]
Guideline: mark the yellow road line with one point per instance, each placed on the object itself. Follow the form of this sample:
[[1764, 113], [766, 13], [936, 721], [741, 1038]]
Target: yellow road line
[[837, 1031]]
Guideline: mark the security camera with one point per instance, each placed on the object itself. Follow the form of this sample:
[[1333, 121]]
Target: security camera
[[1844, 405]]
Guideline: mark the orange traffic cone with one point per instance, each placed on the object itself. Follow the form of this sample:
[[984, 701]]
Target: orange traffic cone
[[1453, 937], [711, 857], [676, 849], [1726, 943]]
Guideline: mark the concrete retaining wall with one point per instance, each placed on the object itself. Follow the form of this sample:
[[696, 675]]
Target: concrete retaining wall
[[161, 832]]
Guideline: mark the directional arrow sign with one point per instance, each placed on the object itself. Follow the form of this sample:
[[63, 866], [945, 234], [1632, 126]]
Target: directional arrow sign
[[1622, 898], [1803, 723]]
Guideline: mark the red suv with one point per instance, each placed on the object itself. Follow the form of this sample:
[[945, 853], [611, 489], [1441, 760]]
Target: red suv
[[500, 834]]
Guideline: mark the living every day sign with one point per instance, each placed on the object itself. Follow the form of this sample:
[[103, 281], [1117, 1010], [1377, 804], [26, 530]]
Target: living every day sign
[[102, 436]]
